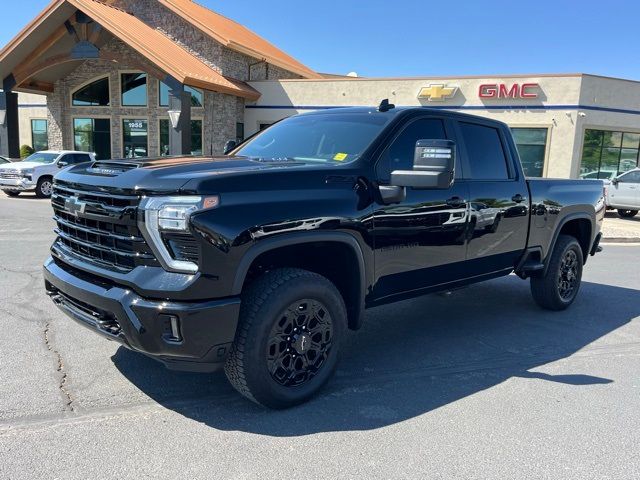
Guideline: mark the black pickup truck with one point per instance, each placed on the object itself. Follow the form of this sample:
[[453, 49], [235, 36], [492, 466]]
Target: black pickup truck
[[259, 262]]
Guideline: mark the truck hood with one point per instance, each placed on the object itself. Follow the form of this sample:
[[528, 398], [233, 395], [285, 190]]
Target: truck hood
[[21, 165], [167, 175]]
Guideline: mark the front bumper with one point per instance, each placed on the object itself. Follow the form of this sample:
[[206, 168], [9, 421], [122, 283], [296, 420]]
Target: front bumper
[[17, 184], [206, 328]]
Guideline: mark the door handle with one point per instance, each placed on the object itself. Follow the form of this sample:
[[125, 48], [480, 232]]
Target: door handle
[[456, 202], [518, 198]]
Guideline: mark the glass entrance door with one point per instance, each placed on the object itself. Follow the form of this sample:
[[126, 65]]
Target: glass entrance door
[[136, 138], [93, 135]]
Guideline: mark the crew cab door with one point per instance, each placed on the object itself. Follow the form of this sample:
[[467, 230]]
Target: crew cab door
[[499, 198], [625, 192], [420, 241]]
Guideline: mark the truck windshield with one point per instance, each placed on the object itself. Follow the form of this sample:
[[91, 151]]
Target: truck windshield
[[41, 158], [327, 138]]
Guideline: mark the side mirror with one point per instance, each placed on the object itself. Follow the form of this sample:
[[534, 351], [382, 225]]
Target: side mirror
[[230, 145], [614, 181], [62, 164], [433, 166]]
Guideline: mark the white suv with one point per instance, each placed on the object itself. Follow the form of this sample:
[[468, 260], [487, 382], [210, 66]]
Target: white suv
[[624, 193], [35, 173]]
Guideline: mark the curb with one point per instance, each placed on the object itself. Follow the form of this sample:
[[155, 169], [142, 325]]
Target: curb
[[620, 240]]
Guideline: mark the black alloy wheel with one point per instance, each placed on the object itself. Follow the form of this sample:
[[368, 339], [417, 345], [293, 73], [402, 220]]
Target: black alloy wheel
[[568, 277], [556, 288], [299, 343], [287, 343]]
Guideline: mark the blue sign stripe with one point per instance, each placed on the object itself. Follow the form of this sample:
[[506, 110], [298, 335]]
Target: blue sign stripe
[[460, 107]]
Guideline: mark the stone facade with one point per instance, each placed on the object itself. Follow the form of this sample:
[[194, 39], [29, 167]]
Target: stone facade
[[226, 61], [62, 113], [220, 114]]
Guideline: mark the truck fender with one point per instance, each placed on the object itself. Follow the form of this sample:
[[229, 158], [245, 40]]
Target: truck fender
[[266, 245], [561, 223]]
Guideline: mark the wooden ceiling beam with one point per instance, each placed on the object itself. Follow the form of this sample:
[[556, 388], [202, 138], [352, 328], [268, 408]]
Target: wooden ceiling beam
[[48, 42], [25, 75], [37, 86]]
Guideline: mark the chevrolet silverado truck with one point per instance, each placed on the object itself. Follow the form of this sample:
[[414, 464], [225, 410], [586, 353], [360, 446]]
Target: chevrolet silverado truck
[[260, 261], [35, 173]]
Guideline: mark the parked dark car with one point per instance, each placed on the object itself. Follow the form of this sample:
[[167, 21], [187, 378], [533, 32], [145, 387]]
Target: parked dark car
[[260, 261]]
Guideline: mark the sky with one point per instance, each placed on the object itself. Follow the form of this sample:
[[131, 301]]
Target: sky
[[399, 38]]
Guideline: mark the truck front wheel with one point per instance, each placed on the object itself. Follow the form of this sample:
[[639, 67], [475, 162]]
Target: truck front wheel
[[286, 348], [558, 287], [44, 188]]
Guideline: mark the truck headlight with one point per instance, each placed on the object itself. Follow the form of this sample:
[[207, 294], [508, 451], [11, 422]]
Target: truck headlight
[[27, 172], [171, 214]]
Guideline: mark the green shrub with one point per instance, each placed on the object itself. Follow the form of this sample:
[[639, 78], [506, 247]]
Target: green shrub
[[25, 151]]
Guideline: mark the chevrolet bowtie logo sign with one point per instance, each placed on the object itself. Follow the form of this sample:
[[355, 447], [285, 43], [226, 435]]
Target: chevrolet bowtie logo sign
[[437, 93], [74, 206]]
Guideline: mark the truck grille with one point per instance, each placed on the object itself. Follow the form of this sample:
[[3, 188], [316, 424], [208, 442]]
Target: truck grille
[[12, 175], [100, 228]]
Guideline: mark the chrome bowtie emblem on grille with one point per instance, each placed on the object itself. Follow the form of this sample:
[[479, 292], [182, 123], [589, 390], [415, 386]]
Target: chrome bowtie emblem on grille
[[74, 205]]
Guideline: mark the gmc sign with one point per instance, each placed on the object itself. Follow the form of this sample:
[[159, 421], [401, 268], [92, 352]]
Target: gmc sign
[[501, 90]]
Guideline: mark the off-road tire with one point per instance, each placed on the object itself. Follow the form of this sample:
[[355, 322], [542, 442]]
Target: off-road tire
[[264, 303], [627, 213], [41, 188], [548, 288]]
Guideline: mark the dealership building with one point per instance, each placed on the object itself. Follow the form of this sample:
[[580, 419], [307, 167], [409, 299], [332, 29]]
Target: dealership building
[[126, 78]]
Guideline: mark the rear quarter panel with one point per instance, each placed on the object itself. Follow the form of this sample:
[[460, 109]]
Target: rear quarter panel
[[555, 202]]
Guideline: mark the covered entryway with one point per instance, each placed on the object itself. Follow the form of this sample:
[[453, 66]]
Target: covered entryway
[[119, 113]]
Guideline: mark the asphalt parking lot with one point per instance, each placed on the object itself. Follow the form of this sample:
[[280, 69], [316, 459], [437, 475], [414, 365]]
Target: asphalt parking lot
[[479, 384]]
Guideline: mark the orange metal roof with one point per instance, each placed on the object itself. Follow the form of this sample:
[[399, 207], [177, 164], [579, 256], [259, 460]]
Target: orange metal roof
[[150, 43], [160, 50], [235, 36]]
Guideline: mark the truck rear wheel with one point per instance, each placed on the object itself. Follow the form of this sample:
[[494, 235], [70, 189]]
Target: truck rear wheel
[[286, 348], [558, 287], [627, 213]]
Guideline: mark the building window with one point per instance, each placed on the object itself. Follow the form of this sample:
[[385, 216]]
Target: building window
[[196, 137], [196, 95], [135, 140], [39, 137], [606, 154], [93, 135], [532, 147], [164, 137], [96, 94], [134, 89], [239, 133]]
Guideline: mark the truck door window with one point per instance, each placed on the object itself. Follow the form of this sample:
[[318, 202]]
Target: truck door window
[[485, 152], [631, 177], [71, 159], [81, 158], [399, 155]]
